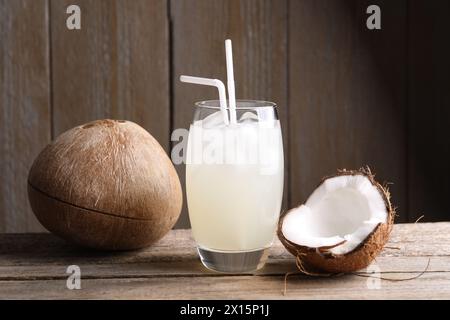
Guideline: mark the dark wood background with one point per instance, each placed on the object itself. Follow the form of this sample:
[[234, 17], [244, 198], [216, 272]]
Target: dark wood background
[[347, 96]]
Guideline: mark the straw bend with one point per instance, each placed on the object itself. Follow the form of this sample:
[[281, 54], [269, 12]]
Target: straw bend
[[214, 83]]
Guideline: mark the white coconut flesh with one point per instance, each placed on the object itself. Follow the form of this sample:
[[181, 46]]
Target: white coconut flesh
[[339, 215]]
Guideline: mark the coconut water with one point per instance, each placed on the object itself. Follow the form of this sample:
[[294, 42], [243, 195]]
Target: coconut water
[[234, 183]]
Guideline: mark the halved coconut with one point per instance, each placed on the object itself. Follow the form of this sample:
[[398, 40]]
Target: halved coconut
[[342, 226]]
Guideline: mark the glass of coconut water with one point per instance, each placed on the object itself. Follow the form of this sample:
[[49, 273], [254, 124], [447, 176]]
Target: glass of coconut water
[[234, 183]]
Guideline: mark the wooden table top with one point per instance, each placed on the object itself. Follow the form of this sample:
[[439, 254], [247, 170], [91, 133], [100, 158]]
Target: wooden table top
[[33, 266]]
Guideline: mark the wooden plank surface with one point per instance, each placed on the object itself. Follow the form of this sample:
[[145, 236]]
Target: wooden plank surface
[[24, 105], [429, 286], [429, 109], [347, 91], [116, 66], [34, 266], [258, 29]]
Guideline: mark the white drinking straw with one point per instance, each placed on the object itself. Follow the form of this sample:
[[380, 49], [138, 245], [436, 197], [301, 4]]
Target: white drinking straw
[[214, 83], [230, 80]]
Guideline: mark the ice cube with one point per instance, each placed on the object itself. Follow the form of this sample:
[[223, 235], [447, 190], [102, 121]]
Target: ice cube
[[248, 117], [214, 120]]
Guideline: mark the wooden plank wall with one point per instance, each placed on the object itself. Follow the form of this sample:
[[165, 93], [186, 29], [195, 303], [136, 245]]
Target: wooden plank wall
[[429, 108], [24, 104], [116, 66], [347, 96]]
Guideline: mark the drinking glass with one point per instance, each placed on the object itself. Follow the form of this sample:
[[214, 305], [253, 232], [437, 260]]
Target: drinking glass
[[234, 184]]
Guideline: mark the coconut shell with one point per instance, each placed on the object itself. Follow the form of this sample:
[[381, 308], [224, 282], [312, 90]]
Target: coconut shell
[[321, 260], [107, 184]]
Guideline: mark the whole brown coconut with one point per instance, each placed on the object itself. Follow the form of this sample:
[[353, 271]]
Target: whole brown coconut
[[107, 185], [321, 260]]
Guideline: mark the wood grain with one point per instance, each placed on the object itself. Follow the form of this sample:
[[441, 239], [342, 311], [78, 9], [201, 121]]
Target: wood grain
[[429, 110], [429, 286], [258, 29], [34, 266], [24, 105], [347, 94], [116, 66]]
